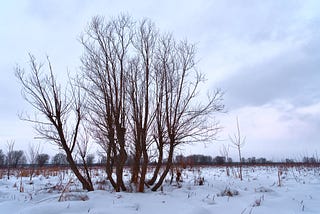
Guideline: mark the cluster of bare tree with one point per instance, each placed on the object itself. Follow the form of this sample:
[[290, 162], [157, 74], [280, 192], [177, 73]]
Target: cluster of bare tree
[[136, 96], [194, 160], [13, 158], [18, 158]]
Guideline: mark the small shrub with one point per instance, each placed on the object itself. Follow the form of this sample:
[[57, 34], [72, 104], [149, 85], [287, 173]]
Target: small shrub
[[258, 201], [228, 192], [199, 181], [74, 197]]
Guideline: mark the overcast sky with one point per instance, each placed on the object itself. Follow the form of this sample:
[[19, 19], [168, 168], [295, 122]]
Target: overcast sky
[[265, 55]]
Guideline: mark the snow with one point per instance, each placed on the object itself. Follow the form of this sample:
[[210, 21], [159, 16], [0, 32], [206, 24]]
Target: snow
[[257, 193]]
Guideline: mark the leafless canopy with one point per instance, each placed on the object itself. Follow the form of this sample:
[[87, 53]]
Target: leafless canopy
[[142, 91], [57, 108]]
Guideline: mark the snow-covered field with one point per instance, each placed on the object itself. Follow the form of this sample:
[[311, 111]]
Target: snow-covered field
[[257, 193]]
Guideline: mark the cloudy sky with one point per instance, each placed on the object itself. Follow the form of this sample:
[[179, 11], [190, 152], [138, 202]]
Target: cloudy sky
[[265, 55]]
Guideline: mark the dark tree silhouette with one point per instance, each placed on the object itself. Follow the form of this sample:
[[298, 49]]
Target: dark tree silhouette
[[142, 90], [16, 158], [42, 159], [2, 158], [57, 108], [59, 159]]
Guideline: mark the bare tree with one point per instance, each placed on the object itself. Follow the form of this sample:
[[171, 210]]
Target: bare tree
[[33, 153], [16, 158], [142, 89], [225, 153], [83, 152], [9, 159], [104, 65], [140, 92], [238, 142], [90, 159], [59, 159], [2, 158], [158, 127], [185, 120], [163, 87], [57, 108], [42, 159]]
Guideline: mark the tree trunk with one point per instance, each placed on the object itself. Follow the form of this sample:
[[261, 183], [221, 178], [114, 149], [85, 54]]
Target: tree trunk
[[109, 162], [166, 170], [121, 160], [144, 168], [158, 166], [85, 183], [136, 162]]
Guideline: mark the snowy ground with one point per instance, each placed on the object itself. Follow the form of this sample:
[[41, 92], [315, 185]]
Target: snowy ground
[[257, 193]]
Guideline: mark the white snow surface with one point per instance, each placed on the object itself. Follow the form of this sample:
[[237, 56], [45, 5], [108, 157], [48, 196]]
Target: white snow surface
[[258, 192]]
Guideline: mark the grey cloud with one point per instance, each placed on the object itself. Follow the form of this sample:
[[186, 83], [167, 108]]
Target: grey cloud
[[252, 21], [290, 74], [294, 76]]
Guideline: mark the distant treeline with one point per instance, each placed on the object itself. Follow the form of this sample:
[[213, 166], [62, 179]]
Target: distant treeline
[[18, 158], [222, 160]]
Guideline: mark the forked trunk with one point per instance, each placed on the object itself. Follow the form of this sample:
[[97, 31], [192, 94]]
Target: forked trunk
[[166, 170]]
